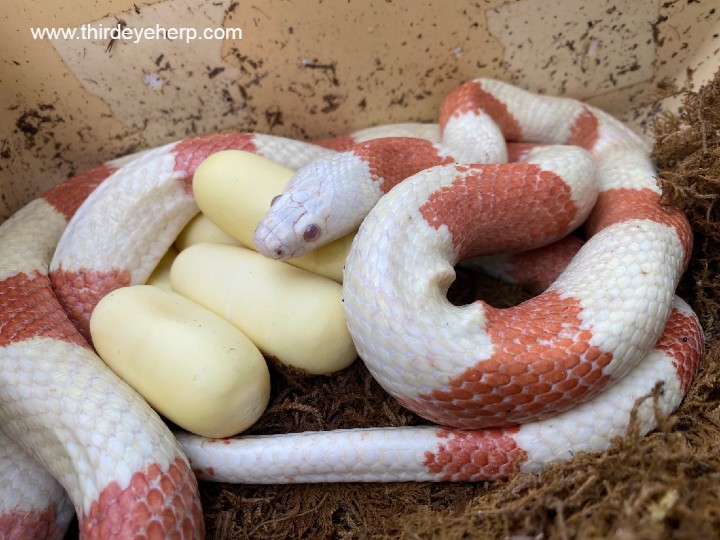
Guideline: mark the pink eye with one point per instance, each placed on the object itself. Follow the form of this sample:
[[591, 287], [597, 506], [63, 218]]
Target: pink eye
[[274, 199], [312, 233]]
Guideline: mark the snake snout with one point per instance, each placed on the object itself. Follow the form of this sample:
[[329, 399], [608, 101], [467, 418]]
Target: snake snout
[[268, 243]]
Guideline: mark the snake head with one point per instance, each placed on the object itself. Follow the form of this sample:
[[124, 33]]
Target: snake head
[[293, 226]]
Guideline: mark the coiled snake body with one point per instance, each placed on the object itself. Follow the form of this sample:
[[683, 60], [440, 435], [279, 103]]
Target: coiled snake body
[[610, 318]]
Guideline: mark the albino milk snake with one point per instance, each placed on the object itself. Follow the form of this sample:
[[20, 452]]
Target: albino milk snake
[[611, 315]]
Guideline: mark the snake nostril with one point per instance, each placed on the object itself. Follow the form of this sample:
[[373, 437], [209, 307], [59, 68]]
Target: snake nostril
[[312, 233], [274, 200]]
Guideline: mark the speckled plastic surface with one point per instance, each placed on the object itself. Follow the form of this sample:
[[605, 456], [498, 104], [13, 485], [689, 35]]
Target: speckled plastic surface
[[310, 69]]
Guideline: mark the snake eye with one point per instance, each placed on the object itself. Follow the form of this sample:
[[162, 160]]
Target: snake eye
[[312, 233], [274, 199]]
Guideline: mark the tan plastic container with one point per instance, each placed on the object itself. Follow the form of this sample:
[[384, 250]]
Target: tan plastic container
[[308, 69], [313, 68]]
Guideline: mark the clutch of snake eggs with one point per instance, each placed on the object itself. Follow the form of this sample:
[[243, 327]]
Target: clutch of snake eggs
[[291, 314]]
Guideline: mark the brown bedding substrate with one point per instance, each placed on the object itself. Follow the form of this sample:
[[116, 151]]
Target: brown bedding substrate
[[665, 485]]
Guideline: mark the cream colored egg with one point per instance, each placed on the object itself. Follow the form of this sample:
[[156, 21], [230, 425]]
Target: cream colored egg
[[234, 189], [160, 277], [193, 367], [202, 229], [291, 314]]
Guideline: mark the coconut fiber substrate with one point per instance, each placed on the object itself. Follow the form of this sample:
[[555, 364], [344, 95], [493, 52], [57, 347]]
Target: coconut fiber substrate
[[664, 485]]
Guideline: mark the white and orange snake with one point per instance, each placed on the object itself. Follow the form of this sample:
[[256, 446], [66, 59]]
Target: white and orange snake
[[531, 384]]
